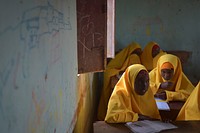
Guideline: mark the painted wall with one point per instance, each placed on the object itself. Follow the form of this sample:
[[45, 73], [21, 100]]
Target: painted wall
[[38, 66], [173, 24]]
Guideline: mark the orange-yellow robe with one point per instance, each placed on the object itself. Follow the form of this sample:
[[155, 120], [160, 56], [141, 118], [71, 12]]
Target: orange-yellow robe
[[146, 58], [191, 108], [181, 88], [122, 60], [125, 104]]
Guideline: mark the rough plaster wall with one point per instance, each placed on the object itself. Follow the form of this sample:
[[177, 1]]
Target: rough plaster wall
[[38, 66], [174, 24]]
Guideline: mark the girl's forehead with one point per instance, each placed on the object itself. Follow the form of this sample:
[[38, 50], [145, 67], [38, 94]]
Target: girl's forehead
[[142, 74]]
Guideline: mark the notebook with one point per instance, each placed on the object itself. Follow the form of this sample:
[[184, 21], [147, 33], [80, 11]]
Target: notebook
[[147, 126]]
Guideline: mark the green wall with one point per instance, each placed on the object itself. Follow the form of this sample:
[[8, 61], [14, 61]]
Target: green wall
[[173, 24], [38, 66]]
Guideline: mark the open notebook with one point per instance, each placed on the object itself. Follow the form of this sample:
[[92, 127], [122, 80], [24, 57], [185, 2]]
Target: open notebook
[[147, 126]]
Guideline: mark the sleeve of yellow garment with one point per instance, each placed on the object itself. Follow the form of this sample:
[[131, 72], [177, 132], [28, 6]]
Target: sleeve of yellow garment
[[191, 109], [183, 92], [153, 85], [119, 109]]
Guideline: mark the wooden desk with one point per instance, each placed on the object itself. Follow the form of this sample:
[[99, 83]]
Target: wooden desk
[[103, 127], [175, 107], [183, 127]]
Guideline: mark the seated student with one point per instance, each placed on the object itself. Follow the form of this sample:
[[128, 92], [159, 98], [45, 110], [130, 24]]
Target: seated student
[[125, 58], [131, 99], [191, 108], [150, 55], [167, 80]]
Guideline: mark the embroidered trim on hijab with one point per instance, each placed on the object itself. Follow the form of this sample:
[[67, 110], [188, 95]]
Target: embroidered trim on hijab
[[167, 65]]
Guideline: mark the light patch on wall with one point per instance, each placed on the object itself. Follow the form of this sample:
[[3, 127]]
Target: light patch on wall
[[148, 30]]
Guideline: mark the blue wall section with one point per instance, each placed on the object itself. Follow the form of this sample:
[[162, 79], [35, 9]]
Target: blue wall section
[[38, 66], [173, 24]]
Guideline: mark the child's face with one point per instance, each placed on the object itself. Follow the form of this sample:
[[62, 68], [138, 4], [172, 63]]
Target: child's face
[[155, 51], [142, 82], [167, 74]]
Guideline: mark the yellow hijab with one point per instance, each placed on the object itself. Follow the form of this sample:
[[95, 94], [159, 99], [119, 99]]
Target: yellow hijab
[[146, 58], [191, 108], [181, 88], [125, 104], [155, 59], [122, 60]]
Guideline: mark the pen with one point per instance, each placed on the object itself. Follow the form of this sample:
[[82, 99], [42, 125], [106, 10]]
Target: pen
[[137, 125]]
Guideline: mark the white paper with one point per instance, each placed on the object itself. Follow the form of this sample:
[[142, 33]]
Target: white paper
[[147, 126], [161, 104]]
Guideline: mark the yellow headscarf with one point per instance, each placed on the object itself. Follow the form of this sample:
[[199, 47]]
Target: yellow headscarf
[[191, 108], [155, 59], [125, 104], [181, 88], [167, 65], [122, 60], [146, 58]]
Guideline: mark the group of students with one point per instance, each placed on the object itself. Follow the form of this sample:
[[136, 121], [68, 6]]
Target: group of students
[[145, 75]]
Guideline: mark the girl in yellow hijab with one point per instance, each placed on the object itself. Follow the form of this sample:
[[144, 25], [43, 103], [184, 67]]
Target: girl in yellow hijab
[[125, 58], [191, 108], [150, 55], [167, 80], [131, 99]]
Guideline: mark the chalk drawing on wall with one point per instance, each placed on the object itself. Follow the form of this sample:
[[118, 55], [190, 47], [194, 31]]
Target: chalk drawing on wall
[[35, 24], [46, 16], [4, 75]]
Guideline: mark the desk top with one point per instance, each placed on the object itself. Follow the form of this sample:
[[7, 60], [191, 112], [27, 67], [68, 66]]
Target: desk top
[[183, 127], [175, 107]]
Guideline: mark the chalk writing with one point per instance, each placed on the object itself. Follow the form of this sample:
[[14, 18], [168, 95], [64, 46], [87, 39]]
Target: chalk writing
[[89, 38]]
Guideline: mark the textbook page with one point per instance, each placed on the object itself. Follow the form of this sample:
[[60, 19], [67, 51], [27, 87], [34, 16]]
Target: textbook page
[[147, 126]]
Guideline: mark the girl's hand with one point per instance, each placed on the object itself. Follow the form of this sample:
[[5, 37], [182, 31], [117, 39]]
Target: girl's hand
[[166, 85], [162, 95]]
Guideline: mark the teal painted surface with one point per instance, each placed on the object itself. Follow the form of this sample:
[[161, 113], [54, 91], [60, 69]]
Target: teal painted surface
[[174, 24], [38, 66]]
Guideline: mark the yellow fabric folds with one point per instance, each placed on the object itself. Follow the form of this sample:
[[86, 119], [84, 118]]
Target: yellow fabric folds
[[122, 60], [181, 88], [146, 58], [191, 108], [125, 105]]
